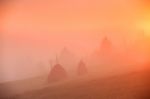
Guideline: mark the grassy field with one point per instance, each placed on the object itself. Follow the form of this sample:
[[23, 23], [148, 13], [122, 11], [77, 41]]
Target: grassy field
[[128, 86], [9, 89]]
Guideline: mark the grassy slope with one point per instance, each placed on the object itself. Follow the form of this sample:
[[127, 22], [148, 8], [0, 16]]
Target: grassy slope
[[17, 87], [119, 87]]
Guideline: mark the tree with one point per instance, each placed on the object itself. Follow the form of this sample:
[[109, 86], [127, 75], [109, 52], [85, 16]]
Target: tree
[[81, 70], [57, 73]]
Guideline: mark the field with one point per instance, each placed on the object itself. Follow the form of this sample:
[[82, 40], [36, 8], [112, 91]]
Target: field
[[127, 86]]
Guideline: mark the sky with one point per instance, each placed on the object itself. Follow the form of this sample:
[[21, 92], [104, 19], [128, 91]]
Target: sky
[[60, 22], [37, 30]]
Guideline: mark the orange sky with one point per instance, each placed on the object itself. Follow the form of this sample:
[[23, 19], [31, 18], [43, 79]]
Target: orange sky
[[71, 15], [39, 29], [79, 20], [74, 15]]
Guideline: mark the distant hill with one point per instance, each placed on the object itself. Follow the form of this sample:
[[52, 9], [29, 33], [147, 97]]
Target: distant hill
[[127, 86]]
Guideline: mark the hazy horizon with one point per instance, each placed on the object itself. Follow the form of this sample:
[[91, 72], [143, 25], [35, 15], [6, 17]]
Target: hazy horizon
[[36, 32]]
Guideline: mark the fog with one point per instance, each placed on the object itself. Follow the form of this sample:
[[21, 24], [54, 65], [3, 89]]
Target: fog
[[35, 32]]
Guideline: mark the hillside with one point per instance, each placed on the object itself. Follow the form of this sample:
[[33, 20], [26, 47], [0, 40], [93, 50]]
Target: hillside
[[17, 87], [129, 86]]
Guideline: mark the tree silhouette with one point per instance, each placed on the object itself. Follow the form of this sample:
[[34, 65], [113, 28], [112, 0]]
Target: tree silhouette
[[57, 73], [81, 70]]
